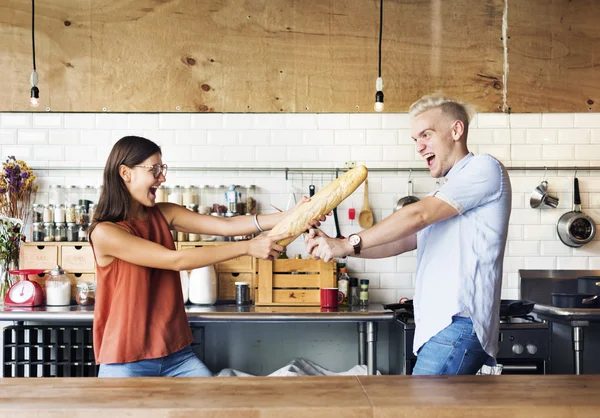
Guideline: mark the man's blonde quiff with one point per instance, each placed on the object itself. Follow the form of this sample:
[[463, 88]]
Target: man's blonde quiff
[[451, 108]]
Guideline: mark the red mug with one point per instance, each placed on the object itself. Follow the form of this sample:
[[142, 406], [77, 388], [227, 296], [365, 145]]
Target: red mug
[[329, 297]]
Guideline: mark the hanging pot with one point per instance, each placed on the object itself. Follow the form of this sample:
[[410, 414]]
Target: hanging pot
[[409, 198], [575, 300], [575, 228]]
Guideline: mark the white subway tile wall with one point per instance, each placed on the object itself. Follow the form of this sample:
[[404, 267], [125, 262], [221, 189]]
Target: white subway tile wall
[[329, 140]]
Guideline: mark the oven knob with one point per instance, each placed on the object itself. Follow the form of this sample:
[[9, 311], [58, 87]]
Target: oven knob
[[531, 349], [517, 349]]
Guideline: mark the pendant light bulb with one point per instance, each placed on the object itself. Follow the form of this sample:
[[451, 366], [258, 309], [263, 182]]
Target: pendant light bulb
[[35, 96], [35, 92], [379, 95]]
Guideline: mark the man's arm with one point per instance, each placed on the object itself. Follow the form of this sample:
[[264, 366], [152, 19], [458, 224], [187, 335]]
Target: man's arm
[[399, 228]]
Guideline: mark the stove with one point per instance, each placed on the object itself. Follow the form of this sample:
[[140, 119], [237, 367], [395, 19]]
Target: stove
[[523, 344]]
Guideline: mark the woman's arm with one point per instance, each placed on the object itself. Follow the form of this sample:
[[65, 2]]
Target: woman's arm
[[184, 220], [111, 241]]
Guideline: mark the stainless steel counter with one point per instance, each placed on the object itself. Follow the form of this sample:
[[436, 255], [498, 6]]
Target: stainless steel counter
[[219, 313], [366, 318]]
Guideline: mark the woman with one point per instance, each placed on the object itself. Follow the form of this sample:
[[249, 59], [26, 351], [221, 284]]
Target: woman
[[140, 324]]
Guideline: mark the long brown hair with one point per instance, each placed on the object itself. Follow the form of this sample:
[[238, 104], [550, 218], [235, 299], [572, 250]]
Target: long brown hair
[[115, 200]]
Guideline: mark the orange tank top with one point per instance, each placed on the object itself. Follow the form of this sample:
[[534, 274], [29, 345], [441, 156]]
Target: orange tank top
[[139, 312]]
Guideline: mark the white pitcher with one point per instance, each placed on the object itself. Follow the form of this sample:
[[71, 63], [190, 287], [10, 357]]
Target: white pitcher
[[203, 286], [185, 285]]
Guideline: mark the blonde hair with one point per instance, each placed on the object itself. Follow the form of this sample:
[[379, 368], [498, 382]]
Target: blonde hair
[[450, 107]]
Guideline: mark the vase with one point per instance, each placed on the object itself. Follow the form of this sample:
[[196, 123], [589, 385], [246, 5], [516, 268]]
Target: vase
[[6, 279]]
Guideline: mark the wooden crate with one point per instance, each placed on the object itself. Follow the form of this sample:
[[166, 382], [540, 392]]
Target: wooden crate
[[293, 282]]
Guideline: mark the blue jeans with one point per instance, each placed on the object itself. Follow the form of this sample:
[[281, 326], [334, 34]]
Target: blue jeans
[[454, 350], [182, 363]]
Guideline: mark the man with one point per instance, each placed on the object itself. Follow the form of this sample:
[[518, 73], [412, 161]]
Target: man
[[460, 234]]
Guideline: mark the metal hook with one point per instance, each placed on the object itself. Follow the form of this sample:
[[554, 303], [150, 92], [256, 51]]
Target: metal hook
[[575, 172], [409, 174], [545, 171]]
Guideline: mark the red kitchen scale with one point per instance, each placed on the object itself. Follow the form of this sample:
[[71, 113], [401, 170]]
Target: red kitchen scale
[[25, 292]]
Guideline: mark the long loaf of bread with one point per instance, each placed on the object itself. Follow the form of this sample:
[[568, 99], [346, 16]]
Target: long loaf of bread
[[321, 203]]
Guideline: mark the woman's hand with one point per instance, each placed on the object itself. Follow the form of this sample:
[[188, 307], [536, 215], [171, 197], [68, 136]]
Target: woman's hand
[[265, 247], [313, 222]]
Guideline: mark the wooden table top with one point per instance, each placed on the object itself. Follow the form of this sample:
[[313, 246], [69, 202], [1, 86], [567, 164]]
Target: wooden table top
[[339, 396]]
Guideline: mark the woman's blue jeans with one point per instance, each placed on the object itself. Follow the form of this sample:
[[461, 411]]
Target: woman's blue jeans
[[182, 363], [454, 350]]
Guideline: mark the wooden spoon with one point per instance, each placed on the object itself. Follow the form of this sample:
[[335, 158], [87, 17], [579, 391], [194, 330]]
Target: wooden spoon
[[365, 218]]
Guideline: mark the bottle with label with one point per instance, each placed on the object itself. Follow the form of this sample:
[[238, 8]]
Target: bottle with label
[[343, 286], [364, 292]]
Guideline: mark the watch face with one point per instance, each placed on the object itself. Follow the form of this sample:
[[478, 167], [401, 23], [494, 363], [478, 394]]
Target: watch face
[[354, 239], [21, 291]]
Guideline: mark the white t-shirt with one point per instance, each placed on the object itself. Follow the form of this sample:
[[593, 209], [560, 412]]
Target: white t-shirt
[[459, 260]]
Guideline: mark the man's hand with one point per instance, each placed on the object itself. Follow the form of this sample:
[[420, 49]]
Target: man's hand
[[320, 246]]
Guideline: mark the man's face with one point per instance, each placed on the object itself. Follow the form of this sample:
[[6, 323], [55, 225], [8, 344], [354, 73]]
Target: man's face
[[434, 141]]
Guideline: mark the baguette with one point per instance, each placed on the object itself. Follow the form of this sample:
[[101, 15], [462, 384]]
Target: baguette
[[321, 203]]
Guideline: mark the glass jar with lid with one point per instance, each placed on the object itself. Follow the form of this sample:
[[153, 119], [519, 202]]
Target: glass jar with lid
[[71, 214], [91, 213], [37, 232], [48, 213], [56, 194], [80, 215], [72, 195], [190, 195], [60, 231], [37, 213], [58, 288], [86, 293], [175, 195], [72, 232], [162, 194], [59, 213], [48, 231], [82, 234]]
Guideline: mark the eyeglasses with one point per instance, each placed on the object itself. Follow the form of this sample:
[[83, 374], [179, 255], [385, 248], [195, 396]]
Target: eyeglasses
[[157, 169]]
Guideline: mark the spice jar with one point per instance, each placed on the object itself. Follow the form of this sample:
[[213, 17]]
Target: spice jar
[[86, 293], [190, 194], [72, 232], [60, 231], [56, 194], [91, 212], [48, 231], [82, 233], [58, 288], [364, 292], [354, 293], [48, 214], [175, 195], [71, 214], [37, 212], [59, 213], [80, 215], [37, 232]]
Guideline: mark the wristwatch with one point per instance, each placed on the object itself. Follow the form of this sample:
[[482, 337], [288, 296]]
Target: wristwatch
[[356, 242]]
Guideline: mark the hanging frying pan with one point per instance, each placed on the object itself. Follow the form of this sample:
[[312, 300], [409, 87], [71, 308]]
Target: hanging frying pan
[[575, 228]]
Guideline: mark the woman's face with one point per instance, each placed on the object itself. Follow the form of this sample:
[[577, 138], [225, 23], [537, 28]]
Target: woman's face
[[142, 183]]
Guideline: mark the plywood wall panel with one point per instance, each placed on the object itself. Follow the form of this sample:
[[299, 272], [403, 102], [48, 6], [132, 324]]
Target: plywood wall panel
[[257, 56], [554, 55]]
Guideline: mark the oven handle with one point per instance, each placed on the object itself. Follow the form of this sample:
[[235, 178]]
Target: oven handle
[[520, 368]]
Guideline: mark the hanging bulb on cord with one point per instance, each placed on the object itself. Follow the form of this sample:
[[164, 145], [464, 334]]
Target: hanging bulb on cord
[[35, 92], [379, 95]]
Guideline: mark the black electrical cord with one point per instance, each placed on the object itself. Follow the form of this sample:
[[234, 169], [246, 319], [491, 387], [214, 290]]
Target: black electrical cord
[[33, 30], [380, 31]]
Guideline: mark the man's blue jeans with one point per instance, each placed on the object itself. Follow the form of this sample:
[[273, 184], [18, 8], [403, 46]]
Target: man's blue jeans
[[182, 363], [454, 350]]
